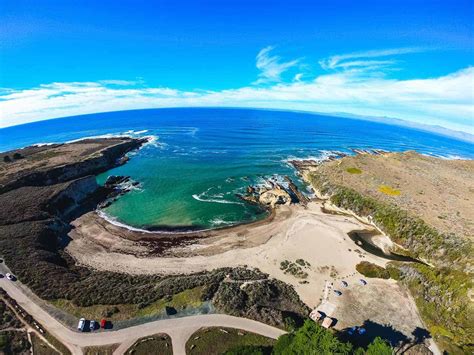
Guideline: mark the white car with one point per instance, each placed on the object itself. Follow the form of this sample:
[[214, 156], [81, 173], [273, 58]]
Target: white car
[[10, 276], [81, 324]]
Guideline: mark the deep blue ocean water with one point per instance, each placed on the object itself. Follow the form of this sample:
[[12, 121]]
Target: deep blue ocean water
[[202, 157]]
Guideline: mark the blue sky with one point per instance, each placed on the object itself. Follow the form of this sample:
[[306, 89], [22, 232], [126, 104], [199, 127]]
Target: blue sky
[[56, 55]]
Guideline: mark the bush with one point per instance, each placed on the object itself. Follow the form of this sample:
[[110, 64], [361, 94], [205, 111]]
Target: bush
[[371, 270], [311, 338], [379, 347]]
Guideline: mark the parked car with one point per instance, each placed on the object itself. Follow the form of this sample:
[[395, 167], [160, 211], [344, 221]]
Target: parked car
[[92, 325], [1, 276], [338, 293], [103, 323], [81, 324], [10, 276], [344, 284], [363, 282]]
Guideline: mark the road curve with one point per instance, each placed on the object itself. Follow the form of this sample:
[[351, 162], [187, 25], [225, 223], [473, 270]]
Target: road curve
[[179, 329]]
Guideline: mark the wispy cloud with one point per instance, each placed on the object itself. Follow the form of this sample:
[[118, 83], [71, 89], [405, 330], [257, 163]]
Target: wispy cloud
[[446, 100], [363, 60], [271, 66]]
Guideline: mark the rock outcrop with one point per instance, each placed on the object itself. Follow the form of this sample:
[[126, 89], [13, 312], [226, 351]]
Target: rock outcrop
[[273, 193]]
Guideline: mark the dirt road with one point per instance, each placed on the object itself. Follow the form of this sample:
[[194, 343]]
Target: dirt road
[[179, 329]]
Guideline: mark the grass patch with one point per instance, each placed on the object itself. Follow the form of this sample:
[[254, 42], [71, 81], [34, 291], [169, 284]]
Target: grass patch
[[354, 171], [209, 341], [187, 298], [57, 344], [100, 350], [159, 344], [40, 347], [387, 190], [181, 300], [371, 270], [112, 312]]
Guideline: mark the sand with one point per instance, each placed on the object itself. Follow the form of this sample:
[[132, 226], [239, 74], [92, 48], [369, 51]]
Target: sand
[[295, 233]]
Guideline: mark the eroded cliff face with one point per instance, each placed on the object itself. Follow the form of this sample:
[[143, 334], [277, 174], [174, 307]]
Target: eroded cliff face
[[41, 192], [41, 166]]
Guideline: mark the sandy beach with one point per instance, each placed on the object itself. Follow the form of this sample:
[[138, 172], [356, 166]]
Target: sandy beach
[[318, 238]]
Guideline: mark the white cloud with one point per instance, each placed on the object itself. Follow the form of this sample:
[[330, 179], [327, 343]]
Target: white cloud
[[271, 66], [447, 100], [352, 60]]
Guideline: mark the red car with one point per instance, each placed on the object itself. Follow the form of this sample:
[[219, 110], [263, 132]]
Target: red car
[[103, 322]]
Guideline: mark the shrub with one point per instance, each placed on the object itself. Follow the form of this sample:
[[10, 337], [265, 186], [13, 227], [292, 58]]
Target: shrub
[[354, 171], [371, 270], [311, 338]]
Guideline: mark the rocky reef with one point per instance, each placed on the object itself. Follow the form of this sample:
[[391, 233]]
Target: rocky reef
[[274, 193]]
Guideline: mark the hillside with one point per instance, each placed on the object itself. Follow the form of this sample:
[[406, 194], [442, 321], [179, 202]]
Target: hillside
[[423, 204]]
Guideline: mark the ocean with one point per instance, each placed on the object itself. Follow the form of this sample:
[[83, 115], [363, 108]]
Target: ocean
[[200, 158]]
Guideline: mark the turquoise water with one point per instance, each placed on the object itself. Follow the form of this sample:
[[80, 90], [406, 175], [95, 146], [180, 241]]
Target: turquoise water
[[202, 157]]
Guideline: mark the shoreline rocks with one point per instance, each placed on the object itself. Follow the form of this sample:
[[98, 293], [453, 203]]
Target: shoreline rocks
[[273, 193]]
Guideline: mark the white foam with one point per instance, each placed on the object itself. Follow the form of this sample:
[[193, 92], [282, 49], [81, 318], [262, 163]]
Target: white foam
[[214, 199], [115, 222], [221, 222]]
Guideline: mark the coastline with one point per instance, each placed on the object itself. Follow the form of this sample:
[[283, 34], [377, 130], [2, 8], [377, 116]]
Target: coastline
[[290, 233]]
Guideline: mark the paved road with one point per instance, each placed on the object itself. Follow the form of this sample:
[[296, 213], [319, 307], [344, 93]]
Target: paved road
[[179, 329]]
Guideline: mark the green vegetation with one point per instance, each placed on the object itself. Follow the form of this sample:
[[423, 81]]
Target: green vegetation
[[40, 347], [270, 301], [57, 344], [354, 171], [14, 342], [295, 268], [441, 292], [100, 350], [159, 344], [387, 190], [187, 298], [377, 347], [249, 350], [210, 341], [311, 338], [8, 319], [371, 270]]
